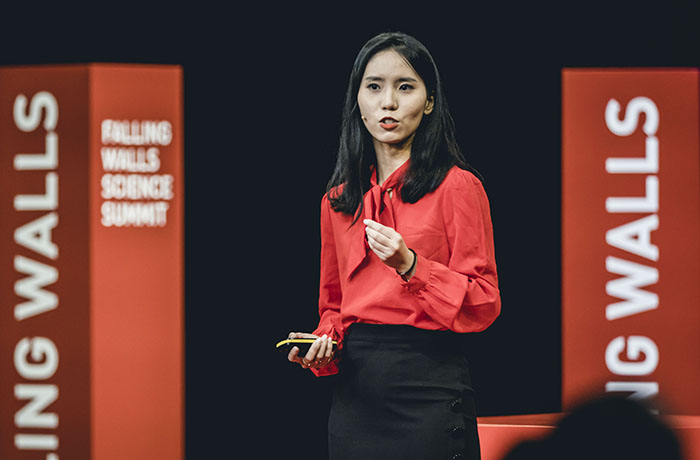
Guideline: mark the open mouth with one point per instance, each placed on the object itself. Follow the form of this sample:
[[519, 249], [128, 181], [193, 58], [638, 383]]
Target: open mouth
[[388, 123]]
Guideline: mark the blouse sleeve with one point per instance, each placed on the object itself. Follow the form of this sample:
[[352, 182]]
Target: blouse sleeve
[[462, 296], [330, 294]]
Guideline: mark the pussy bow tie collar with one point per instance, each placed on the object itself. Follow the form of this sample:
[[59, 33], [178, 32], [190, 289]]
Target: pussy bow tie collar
[[377, 207]]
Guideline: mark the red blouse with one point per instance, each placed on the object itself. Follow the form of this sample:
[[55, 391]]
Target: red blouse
[[454, 286]]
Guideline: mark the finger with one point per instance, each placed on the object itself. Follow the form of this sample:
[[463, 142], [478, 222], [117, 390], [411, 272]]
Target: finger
[[387, 250], [293, 355], [379, 228], [380, 239], [321, 353], [329, 349], [312, 355], [386, 232], [379, 250], [376, 225], [372, 242], [303, 362], [302, 335], [313, 349]]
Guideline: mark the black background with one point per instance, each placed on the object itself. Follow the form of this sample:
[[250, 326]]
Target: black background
[[263, 92]]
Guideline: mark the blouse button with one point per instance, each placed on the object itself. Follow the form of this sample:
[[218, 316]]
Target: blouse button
[[457, 431], [457, 405], [457, 456]]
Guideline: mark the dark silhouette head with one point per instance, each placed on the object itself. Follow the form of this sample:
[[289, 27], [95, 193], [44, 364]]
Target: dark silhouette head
[[605, 428]]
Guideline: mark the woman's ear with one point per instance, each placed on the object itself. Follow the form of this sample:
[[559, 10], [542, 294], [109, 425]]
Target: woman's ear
[[429, 105]]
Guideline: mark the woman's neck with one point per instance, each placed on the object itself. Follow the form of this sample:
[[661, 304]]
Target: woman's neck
[[389, 158]]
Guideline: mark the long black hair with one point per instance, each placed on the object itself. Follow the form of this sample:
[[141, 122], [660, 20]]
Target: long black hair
[[434, 149]]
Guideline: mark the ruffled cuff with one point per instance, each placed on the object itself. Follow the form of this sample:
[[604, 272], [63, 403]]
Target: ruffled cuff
[[332, 367]]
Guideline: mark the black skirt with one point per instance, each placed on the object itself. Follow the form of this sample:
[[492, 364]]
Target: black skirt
[[402, 393]]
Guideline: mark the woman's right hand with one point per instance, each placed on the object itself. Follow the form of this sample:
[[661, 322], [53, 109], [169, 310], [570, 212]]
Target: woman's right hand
[[320, 353]]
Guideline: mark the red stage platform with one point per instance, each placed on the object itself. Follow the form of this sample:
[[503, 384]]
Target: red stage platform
[[498, 435]]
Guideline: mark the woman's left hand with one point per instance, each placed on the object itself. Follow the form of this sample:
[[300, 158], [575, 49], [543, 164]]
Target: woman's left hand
[[389, 246]]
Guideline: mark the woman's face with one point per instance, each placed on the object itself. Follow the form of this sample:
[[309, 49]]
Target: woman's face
[[392, 99]]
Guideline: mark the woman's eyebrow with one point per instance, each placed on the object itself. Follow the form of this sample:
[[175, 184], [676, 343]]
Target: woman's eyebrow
[[402, 79]]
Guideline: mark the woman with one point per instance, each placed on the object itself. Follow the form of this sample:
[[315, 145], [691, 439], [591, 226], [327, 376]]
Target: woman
[[407, 266]]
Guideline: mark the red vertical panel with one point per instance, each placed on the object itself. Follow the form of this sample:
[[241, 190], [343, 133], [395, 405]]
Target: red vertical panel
[[56, 282], [98, 301], [136, 261], [606, 258]]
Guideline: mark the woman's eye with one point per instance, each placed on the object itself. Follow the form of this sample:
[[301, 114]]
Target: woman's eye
[[373, 86], [406, 87]]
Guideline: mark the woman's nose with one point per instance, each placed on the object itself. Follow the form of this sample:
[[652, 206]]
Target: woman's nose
[[389, 100]]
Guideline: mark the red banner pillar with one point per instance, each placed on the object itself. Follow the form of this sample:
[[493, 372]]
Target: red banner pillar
[[631, 236], [91, 262], [631, 250]]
